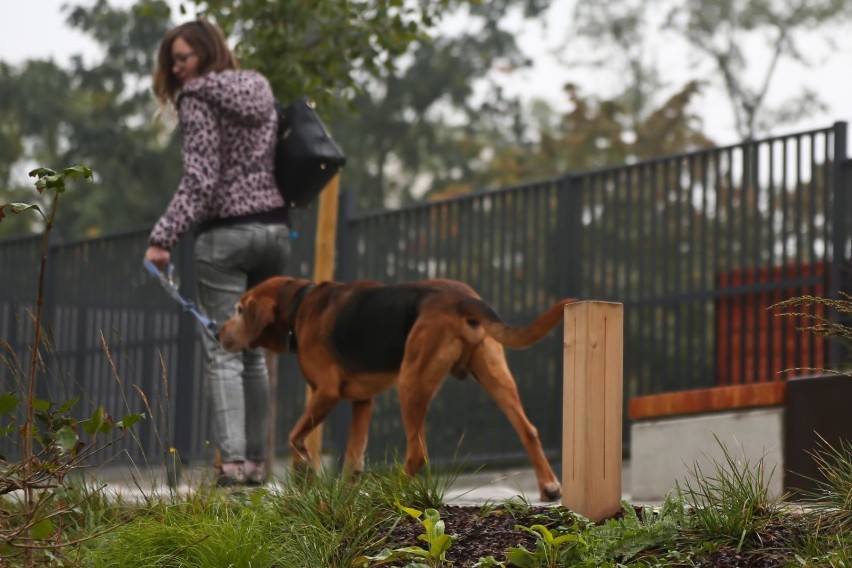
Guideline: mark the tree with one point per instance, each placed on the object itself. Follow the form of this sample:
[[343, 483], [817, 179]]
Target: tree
[[597, 133], [417, 122], [721, 30], [99, 114], [325, 48], [725, 36]]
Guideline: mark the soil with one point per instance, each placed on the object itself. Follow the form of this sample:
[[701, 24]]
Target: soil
[[479, 534]]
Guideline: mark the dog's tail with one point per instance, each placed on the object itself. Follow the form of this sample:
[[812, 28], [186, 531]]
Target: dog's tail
[[520, 337]]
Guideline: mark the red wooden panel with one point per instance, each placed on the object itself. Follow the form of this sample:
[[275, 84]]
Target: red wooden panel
[[748, 332], [714, 399]]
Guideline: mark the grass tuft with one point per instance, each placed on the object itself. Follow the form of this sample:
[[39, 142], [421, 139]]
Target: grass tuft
[[730, 504]]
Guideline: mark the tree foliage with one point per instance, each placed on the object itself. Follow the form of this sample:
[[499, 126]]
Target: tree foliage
[[98, 113], [417, 106], [725, 40], [722, 30], [416, 118], [325, 48]]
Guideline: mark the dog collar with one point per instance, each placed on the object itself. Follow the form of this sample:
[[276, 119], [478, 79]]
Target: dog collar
[[292, 344]]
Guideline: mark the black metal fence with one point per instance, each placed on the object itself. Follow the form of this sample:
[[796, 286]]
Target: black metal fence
[[696, 246]]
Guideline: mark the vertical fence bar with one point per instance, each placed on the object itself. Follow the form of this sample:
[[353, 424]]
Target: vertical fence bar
[[569, 231], [756, 228], [703, 280], [787, 230], [841, 229], [742, 260], [799, 237], [346, 263], [770, 235], [180, 422]]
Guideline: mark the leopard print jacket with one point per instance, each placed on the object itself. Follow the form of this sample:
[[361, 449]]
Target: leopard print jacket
[[228, 126]]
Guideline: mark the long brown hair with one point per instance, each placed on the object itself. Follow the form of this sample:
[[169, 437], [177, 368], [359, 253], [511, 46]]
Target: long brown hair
[[209, 44]]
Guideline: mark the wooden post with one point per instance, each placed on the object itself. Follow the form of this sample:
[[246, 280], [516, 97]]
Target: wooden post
[[324, 270], [592, 398]]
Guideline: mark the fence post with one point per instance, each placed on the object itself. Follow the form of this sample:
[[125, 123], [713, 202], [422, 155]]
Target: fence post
[[568, 246], [592, 399], [49, 315], [346, 270], [840, 230], [347, 254], [187, 380]]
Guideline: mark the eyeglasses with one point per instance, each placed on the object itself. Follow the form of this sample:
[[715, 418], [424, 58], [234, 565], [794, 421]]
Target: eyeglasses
[[182, 58]]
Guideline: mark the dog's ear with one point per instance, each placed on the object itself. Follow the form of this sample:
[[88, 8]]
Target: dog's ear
[[258, 312]]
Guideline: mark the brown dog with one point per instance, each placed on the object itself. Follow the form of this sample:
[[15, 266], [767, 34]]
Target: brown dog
[[355, 340]]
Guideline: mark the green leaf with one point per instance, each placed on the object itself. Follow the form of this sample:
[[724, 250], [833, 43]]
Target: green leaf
[[56, 182], [414, 551], [566, 538], [409, 511], [386, 555], [521, 557], [69, 405], [77, 172], [42, 172], [41, 405], [67, 439], [129, 420], [18, 208], [21, 207], [99, 422], [8, 403], [41, 529], [440, 546]]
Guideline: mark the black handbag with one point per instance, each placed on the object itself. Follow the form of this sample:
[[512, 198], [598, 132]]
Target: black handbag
[[306, 156]]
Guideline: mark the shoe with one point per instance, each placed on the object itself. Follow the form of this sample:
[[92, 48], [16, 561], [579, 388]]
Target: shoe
[[255, 473], [234, 477]]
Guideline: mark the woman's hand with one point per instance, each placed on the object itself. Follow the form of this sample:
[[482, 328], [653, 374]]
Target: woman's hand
[[159, 256]]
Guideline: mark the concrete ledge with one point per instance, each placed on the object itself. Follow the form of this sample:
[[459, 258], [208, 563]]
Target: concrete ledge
[[664, 450]]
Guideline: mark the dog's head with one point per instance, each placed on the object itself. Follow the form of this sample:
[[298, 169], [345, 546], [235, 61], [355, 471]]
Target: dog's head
[[261, 317]]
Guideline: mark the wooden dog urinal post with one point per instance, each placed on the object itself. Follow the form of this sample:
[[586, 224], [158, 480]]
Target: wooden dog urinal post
[[324, 257], [592, 398]]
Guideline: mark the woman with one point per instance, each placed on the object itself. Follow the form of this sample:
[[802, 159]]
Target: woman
[[228, 196]]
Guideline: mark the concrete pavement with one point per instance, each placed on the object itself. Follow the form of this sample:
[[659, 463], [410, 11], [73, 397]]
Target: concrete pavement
[[469, 489]]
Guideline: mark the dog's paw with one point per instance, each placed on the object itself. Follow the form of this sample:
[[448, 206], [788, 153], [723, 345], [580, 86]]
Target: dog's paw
[[551, 492]]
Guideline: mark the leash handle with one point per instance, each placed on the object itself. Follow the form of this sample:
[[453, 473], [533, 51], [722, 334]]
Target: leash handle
[[167, 281]]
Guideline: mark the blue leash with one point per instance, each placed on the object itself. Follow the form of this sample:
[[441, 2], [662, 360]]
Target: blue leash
[[167, 280]]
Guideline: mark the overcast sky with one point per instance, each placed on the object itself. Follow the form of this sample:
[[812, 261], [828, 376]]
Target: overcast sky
[[36, 29]]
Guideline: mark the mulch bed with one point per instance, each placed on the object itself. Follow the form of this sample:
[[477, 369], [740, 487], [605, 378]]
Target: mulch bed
[[480, 534]]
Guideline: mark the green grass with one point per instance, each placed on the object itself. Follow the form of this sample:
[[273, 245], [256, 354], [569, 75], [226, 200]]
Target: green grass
[[216, 531], [332, 522], [730, 504]]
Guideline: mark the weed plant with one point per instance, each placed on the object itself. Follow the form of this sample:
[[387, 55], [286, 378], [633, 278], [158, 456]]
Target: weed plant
[[730, 504], [423, 491], [827, 533], [209, 529], [833, 495], [42, 516], [330, 521]]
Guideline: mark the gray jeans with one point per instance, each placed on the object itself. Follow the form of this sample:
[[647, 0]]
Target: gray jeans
[[228, 261]]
